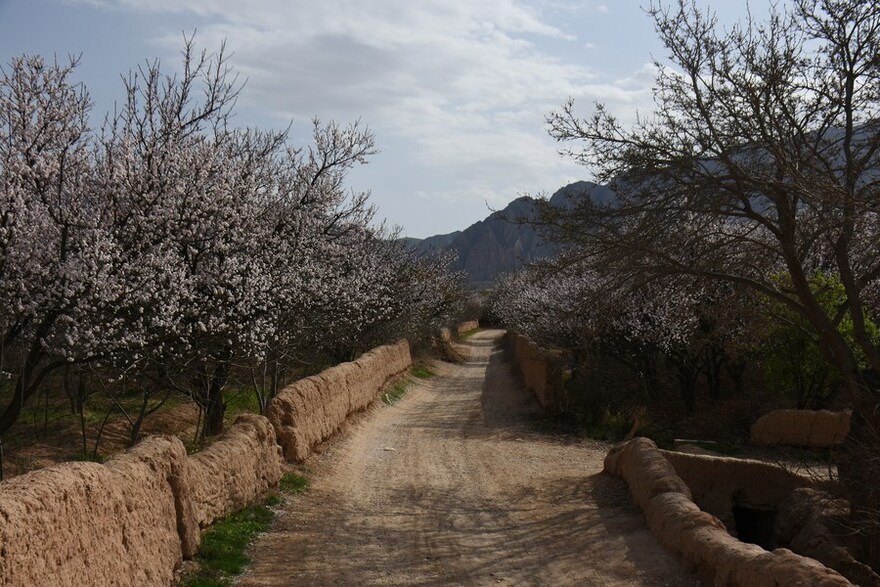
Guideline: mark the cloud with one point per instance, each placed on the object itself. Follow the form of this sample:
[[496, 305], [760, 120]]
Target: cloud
[[466, 84]]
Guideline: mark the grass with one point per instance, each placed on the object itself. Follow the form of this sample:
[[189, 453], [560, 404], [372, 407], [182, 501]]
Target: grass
[[223, 553], [716, 447], [239, 401], [399, 390], [395, 393], [292, 484], [612, 426], [468, 334], [421, 372]]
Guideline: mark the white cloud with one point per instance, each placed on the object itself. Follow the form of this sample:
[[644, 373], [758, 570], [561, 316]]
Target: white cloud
[[466, 84]]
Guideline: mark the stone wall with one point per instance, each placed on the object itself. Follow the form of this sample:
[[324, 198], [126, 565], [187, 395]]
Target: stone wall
[[817, 429], [539, 368], [312, 409], [699, 538]]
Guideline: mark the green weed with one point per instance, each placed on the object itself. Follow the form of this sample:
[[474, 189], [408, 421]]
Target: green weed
[[393, 396], [612, 426], [716, 447], [222, 554], [291, 483], [421, 372]]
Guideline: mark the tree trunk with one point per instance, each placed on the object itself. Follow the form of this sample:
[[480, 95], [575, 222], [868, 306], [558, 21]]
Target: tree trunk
[[214, 406], [859, 466], [139, 421], [687, 382], [25, 387]]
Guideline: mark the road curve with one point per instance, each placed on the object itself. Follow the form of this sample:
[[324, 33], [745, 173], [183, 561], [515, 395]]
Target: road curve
[[456, 485]]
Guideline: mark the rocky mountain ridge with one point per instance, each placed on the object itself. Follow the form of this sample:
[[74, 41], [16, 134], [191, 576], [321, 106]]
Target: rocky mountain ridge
[[505, 241]]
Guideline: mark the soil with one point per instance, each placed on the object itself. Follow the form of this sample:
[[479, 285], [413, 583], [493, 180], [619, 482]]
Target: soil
[[459, 483]]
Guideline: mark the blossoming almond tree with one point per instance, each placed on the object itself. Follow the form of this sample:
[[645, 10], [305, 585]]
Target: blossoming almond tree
[[53, 249], [172, 250]]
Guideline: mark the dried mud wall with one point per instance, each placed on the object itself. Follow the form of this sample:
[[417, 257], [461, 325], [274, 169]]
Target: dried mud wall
[[539, 369], [234, 471], [131, 520], [699, 538], [467, 326], [817, 429], [116, 523], [312, 409], [719, 483]]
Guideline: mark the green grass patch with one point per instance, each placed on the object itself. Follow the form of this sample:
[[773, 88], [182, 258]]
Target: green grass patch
[[395, 393], [291, 483], [87, 457], [222, 554], [421, 372], [612, 426], [240, 401]]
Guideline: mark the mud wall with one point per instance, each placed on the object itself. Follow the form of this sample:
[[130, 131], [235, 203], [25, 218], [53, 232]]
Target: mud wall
[[700, 538], [539, 369], [235, 471], [719, 483], [131, 520], [467, 326], [817, 429], [88, 523], [312, 409]]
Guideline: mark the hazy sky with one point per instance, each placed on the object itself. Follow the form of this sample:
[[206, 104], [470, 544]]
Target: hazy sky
[[456, 91]]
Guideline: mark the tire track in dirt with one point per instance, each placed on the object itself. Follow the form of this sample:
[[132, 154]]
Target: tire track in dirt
[[454, 485]]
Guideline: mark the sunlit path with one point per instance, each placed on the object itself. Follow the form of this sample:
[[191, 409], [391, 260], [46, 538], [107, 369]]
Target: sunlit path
[[454, 486]]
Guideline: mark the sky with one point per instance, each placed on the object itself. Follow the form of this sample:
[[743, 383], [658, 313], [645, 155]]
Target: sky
[[455, 91]]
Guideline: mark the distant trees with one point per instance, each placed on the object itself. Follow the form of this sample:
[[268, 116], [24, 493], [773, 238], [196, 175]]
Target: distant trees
[[760, 160], [172, 250]]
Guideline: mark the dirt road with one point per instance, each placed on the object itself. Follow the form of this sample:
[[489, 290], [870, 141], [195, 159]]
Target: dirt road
[[455, 485]]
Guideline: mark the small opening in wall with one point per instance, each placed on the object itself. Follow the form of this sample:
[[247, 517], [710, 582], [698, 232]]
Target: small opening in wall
[[755, 525]]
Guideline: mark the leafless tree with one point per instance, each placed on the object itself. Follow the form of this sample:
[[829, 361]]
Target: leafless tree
[[760, 160]]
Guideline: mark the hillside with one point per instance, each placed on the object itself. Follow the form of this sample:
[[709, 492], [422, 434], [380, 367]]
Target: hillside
[[504, 241]]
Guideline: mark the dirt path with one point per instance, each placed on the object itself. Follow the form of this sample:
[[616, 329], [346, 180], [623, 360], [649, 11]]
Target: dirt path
[[453, 486]]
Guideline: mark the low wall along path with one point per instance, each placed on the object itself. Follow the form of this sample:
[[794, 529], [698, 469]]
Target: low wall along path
[[456, 483], [132, 520]]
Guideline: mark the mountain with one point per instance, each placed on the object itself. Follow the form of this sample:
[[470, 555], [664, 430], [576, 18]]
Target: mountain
[[503, 242]]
